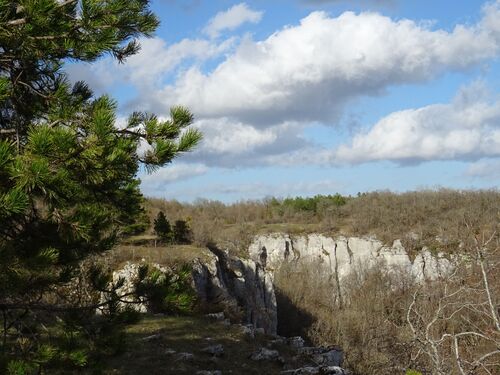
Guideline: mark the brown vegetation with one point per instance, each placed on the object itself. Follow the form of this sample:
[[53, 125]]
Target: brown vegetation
[[388, 323], [428, 217]]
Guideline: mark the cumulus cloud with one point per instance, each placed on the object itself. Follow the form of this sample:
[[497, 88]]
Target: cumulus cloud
[[485, 169], [231, 19], [467, 128], [363, 2], [232, 144], [309, 71], [146, 69], [176, 172], [253, 106], [258, 190]]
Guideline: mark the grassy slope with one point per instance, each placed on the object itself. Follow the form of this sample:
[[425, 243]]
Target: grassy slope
[[190, 334], [170, 255]]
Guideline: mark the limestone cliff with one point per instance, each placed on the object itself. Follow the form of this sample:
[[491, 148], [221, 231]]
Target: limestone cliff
[[241, 288], [238, 286], [342, 255]]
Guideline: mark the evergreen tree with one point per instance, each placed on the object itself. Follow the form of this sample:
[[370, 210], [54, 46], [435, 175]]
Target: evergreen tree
[[182, 233], [162, 226], [68, 180]]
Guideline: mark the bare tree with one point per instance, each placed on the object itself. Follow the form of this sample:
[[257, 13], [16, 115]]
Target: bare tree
[[454, 322]]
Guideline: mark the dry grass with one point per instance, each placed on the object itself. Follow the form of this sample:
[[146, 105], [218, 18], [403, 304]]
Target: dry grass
[[165, 255], [191, 335], [434, 217], [369, 317]]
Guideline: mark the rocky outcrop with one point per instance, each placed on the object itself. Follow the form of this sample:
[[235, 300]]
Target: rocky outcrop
[[240, 286], [343, 255], [127, 277]]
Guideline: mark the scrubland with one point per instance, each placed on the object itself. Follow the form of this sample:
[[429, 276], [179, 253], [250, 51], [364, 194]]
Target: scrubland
[[428, 217], [387, 323]]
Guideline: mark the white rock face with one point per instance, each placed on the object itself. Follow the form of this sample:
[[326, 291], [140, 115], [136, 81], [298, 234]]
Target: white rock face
[[238, 285], [235, 284], [130, 274], [342, 255]]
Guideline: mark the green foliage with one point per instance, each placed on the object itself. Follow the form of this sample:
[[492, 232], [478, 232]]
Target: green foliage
[[139, 226], [182, 232], [68, 185], [18, 367], [162, 226], [313, 205], [169, 293], [413, 372]]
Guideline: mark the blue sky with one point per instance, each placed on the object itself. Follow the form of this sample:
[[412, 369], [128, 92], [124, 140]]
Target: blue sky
[[305, 97]]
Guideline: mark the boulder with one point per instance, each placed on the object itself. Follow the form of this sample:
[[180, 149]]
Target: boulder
[[214, 350], [184, 357], [296, 342], [332, 357], [320, 370], [264, 354]]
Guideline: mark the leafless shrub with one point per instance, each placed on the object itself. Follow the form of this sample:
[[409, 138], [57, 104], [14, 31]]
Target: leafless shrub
[[433, 218], [455, 322]]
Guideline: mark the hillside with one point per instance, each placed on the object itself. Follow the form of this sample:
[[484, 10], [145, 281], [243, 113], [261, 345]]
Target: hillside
[[178, 345], [435, 218], [377, 314]]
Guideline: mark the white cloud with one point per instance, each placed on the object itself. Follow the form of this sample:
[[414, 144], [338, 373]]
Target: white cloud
[[467, 128], [257, 190], [484, 169], [223, 136], [231, 19], [172, 173], [253, 106], [308, 72], [150, 65], [229, 143], [363, 2]]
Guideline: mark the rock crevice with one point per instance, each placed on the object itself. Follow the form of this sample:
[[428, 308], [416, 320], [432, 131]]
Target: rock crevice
[[240, 287]]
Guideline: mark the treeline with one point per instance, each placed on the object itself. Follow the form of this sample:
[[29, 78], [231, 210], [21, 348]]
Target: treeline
[[429, 217]]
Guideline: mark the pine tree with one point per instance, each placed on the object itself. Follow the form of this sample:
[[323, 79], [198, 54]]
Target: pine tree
[[182, 233], [162, 226], [68, 175]]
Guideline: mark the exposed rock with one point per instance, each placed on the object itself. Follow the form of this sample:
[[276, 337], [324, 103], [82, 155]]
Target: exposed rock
[[216, 316], [264, 354], [330, 358], [155, 337], [129, 274], [278, 341], [321, 370], [342, 255], [296, 342], [184, 357], [215, 372], [170, 351], [240, 286], [310, 350], [248, 330], [215, 350], [260, 331]]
